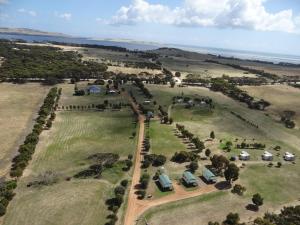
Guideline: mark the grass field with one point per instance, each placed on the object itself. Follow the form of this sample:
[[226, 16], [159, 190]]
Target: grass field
[[19, 105], [278, 186], [281, 97], [64, 150]]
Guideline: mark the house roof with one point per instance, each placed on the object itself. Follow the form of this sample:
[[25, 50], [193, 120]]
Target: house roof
[[243, 153], [288, 154], [266, 153], [165, 180], [189, 176], [93, 87], [208, 174]]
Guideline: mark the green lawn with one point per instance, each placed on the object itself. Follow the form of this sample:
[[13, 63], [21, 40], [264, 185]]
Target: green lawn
[[163, 139]]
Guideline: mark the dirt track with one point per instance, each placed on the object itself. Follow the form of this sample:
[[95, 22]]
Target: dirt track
[[136, 207]]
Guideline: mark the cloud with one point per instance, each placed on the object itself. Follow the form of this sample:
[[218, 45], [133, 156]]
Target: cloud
[[65, 16], [245, 14], [28, 12], [3, 1]]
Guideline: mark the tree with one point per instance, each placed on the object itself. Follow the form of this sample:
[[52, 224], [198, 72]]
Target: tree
[[257, 200], [212, 135], [177, 74], [219, 162], [231, 173], [144, 180], [279, 164], [159, 160], [213, 223], [130, 156], [119, 190], [238, 189], [232, 219], [141, 193], [124, 183], [207, 152], [2, 209], [193, 166]]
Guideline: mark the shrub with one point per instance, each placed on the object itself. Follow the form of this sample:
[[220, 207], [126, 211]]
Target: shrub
[[119, 190], [2, 209], [124, 183], [238, 189], [142, 194], [144, 180]]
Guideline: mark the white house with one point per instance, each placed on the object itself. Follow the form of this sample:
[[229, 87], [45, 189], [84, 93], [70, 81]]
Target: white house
[[289, 156], [267, 156], [244, 156]]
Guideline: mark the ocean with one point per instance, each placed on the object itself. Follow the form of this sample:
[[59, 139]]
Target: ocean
[[269, 57]]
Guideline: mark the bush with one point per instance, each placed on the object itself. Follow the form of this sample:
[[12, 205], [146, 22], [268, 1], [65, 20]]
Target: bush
[[193, 166], [238, 189], [142, 194], [124, 183], [2, 209], [119, 190], [144, 180]]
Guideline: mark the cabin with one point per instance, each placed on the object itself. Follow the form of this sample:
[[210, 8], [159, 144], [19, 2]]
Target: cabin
[[94, 89], [209, 176], [112, 92], [165, 182], [244, 156], [189, 179], [289, 156], [267, 156], [147, 102]]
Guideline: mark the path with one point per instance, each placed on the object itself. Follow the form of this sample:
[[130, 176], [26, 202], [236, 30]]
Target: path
[[135, 206]]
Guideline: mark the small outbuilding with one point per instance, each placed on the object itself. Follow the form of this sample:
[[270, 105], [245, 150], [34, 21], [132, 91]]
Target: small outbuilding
[[165, 182], [289, 156], [244, 156], [209, 176], [189, 179], [94, 89], [267, 156]]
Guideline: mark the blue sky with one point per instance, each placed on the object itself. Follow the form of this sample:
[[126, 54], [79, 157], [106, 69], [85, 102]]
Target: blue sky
[[256, 25]]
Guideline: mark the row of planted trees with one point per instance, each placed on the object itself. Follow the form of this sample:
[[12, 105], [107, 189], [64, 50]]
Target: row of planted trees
[[26, 150], [28, 147], [199, 145]]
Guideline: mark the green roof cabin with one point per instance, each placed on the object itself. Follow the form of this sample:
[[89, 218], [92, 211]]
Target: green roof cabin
[[165, 182], [209, 176], [189, 179]]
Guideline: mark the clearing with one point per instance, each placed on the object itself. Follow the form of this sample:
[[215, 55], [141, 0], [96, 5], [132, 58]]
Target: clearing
[[19, 105]]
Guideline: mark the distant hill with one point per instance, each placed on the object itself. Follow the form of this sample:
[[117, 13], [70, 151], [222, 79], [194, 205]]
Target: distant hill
[[26, 31]]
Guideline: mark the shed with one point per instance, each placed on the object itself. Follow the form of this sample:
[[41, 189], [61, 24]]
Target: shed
[[189, 178], [244, 155], [289, 156], [267, 156], [209, 176], [165, 182], [94, 89]]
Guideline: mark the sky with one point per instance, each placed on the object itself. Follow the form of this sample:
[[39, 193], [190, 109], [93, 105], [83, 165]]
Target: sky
[[255, 25]]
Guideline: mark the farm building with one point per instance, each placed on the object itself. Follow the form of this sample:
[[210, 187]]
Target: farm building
[[267, 156], [112, 92], [165, 182], [94, 89], [244, 155], [209, 176], [189, 179], [289, 156]]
